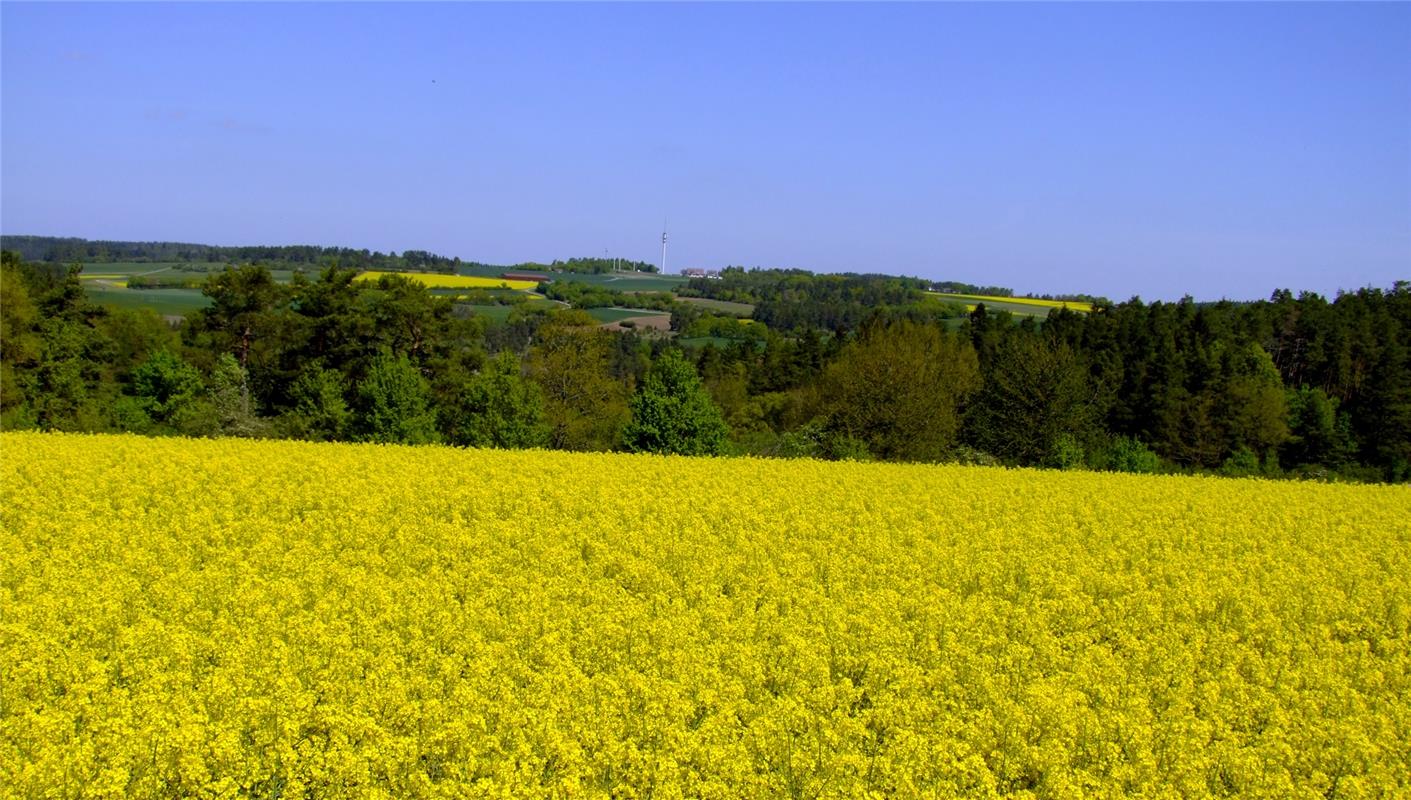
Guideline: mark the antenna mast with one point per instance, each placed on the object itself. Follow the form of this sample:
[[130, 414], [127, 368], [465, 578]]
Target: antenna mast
[[663, 246]]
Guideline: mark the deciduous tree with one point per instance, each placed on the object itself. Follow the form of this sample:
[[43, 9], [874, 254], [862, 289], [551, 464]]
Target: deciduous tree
[[394, 403], [900, 390], [673, 413]]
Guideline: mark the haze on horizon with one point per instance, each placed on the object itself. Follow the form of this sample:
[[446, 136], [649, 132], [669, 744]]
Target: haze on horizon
[[1153, 150]]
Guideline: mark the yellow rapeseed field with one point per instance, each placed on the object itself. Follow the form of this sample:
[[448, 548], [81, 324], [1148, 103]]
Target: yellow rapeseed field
[[1073, 305], [441, 280], [224, 618]]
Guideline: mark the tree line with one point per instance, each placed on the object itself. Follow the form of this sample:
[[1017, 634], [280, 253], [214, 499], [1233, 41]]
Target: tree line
[[1300, 386], [600, 266], [795, 299], [65, 250]]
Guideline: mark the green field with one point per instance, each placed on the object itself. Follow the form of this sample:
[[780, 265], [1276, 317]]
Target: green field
[[479, 271], [626, 281], [165, 269], [509, 295], [616, 314], [165, 278], [162, 301], [146, 267], [721, 306], [168, 301]]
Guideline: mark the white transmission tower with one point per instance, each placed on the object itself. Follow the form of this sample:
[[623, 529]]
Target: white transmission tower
[[663, 248]]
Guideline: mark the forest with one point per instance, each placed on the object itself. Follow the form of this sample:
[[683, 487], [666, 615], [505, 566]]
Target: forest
[[62, 250], [65, 250], [834, 367]]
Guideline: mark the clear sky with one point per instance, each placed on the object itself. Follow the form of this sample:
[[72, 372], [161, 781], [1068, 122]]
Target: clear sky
[[1116, 149]]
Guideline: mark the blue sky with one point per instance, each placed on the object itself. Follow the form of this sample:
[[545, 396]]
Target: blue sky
[[1156, 149]]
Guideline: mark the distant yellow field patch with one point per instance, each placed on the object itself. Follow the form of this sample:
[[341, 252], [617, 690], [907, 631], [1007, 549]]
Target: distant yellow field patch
[[1072, 305], [439, 280]]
